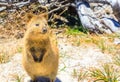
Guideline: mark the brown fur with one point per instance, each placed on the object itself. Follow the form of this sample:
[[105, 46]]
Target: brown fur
[[39, 44]]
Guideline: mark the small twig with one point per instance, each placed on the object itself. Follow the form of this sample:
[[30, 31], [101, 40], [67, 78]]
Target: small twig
[[18, 5], [2, 8], [3, 4], [51, 18], [61, 18], [62, 6], [63, 11]]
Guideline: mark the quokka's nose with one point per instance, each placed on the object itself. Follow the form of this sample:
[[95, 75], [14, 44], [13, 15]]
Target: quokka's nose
[[44, 30]]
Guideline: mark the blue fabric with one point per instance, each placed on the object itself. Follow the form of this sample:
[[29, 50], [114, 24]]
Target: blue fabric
[[83, 2], [116, 23], [44, 79]]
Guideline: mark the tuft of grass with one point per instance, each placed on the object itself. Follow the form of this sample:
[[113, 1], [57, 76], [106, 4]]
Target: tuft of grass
[[80, 75], [17, 78], [4, 58], [8, 48], [104, 42], [102, 45], [19, 49], [76, 30], [63, 67], [117, 60], [72, 31], [107, 74]]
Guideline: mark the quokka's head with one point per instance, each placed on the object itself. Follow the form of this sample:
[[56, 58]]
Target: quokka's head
[[38, 24]]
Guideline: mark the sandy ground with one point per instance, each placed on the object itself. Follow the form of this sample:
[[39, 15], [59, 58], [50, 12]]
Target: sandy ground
[[71, 58]]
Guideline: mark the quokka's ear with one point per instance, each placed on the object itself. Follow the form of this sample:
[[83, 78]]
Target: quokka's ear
[[44, 15], [29, 16]]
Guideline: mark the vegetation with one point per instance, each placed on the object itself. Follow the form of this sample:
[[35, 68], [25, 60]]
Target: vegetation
[[18, 79], [81, 75], [117, 60], [11, 27], [75, 30], [4, 58], [8, 48], [107, 74]]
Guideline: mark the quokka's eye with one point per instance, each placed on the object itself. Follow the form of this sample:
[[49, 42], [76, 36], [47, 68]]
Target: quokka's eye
[[46, 24], [37, 24]]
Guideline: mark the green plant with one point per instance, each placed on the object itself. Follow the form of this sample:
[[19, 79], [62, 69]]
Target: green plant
[[63, 67], [117, 60], [72, 31], [82, 29], [80, 75], [4, 58], [106, 74], [18, 79], [102, 45], [19, 49], [75, 30]]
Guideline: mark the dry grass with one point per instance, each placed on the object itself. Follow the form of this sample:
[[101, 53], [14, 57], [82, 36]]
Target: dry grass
[[14, 27], [105, 42], [106, 74], [4, 58], [80, 75], [17, 78], [117, 60], [8, 48]]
